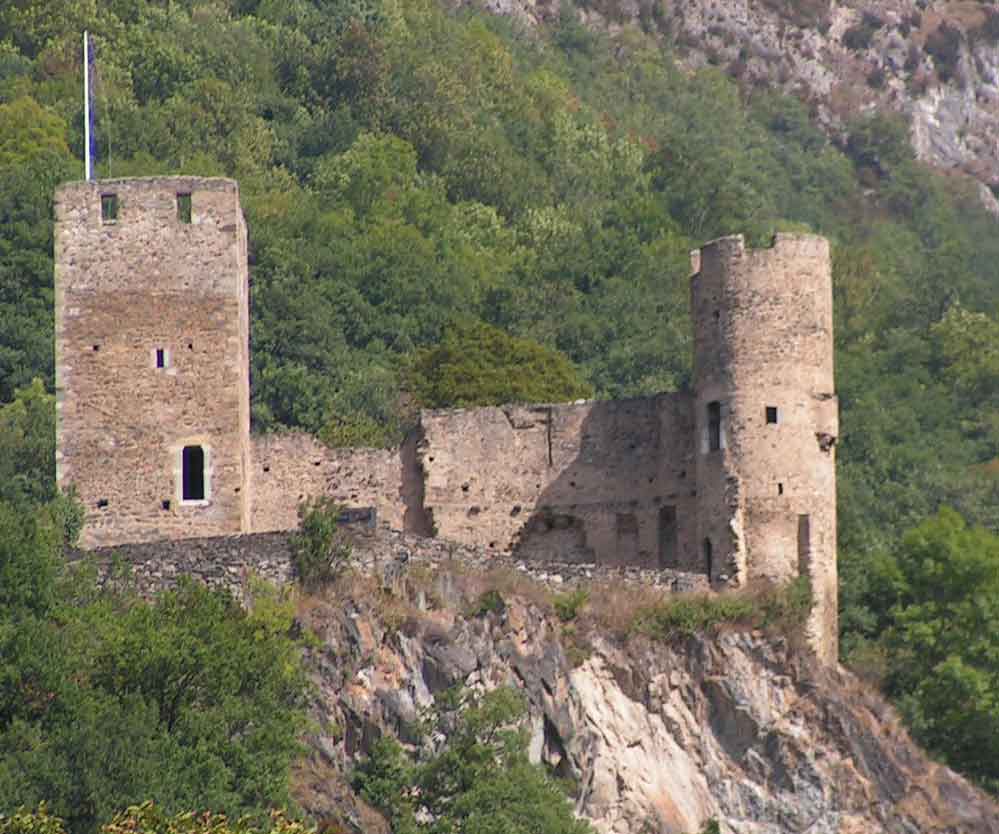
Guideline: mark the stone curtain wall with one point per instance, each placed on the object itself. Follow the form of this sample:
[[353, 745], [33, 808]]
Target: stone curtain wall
[[586, 482], [219, 562], [596, 482], [127, 287], [290, 468], [229, 562]]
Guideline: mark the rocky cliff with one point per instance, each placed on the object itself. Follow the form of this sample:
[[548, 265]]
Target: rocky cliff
[[656, 735], [936, 62]]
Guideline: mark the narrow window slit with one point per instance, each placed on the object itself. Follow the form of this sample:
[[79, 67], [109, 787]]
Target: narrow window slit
[[714, 426], [109, 208], [184, 207]]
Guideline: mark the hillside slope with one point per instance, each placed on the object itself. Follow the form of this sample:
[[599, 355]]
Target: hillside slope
[[655, 736], [937, 63]]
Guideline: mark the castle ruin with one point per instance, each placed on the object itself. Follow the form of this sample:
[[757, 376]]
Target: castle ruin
[[734, 479]]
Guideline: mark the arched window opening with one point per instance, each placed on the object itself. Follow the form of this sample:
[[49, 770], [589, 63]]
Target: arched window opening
[[193, 473]]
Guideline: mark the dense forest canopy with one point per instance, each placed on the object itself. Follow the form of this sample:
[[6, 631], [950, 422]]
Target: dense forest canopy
[[419, 182]]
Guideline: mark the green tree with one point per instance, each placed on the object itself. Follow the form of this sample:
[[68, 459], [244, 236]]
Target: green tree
[[477, 364], [480, 781], [943, 591]]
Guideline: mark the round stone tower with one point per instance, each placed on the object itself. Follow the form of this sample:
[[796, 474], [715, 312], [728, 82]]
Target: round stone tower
[[766, 418]]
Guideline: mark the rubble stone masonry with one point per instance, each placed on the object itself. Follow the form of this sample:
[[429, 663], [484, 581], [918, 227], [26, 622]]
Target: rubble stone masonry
[[733, 480]]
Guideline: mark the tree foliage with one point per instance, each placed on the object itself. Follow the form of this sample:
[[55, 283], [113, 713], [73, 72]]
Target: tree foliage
[[940, 598], [478, 780], [476, 364], [421, 183]]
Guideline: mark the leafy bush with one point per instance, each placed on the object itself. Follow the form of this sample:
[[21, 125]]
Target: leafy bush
[[568, 605], [319, 551], [479, 780], [489, 602], [23, 821], [149, 818]]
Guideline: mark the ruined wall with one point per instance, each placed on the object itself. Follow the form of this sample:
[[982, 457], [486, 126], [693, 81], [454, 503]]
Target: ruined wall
[[151, 287], [605, 482], [763, 359], [289, 468], [229, 562]]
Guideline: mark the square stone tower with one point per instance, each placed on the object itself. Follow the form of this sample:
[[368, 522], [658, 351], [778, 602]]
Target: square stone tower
[[152, 357]]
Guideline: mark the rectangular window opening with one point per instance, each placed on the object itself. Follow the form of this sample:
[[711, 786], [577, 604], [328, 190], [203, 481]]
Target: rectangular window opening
[[166, 505], [804, 544], [184, 208], [772, 414], [160, 358], [193, 473], [714, 426], [668, 557], [109, 208], [780, 488], [102, 503]]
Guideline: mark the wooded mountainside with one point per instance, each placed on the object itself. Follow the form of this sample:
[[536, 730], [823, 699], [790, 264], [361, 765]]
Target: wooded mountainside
[[420, 182]]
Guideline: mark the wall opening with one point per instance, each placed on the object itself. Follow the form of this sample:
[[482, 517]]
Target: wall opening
[[109, 208], [773, 416], [714, 426], [193, 473], [161, 358], [626, 527], [804, 545], [184, 207], [780, 488], [708, 557], [668, 556]]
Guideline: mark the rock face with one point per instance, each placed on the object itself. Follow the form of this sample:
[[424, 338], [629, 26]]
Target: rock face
[[657, 737], [936, 62]]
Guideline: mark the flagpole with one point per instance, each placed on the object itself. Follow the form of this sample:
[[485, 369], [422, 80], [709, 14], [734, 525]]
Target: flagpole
[[86, 107]]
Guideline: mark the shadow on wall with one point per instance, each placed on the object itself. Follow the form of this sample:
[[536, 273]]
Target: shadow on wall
[[621, 487]]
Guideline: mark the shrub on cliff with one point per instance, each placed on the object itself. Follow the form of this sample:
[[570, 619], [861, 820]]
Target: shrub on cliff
[[319, 551], [480, 780], [477, 364]]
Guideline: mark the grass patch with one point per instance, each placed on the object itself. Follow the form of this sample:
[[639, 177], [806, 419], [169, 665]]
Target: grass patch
[[783, 609], [567, 605]]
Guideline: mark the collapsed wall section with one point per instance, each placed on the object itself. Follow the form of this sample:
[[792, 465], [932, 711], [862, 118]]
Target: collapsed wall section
[[605, 482]]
